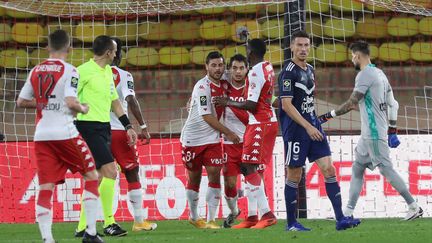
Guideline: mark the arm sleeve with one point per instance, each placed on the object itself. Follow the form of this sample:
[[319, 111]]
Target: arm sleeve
[[27, 91], [363, 82], [286, 84], [256, 82], [71, 83], [392, 104], [202, 97], [128, 85]]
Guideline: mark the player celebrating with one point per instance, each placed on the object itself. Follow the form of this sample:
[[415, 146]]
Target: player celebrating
[[261, 131], [51, 88], [236, 120], [303, 135], [200, 139], [374, 95], [96, 87]]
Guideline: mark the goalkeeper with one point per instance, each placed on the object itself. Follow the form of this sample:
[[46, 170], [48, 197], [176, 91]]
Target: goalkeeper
[[374, 95]]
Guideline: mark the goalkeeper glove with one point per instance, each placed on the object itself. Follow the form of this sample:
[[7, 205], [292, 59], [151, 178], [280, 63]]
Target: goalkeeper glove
[[327, 116], [393, 140]]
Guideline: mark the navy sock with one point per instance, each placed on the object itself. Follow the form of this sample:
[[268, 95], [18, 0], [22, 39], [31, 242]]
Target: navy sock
[[291, 201], [333, 192]]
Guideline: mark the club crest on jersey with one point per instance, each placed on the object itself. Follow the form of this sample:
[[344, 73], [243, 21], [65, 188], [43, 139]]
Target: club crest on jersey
[[253, 85], [74, 82], [286, 85], [130, 84], [203, 100]]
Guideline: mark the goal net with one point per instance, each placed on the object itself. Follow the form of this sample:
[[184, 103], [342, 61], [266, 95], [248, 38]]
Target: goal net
[[165, 44]]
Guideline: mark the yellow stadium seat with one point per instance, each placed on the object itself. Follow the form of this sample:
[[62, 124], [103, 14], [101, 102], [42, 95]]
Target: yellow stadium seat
[[19, 14], [215, 30], [421, 51], [251, 25], [5, 32], [274, 55], [13, 58], [38, 55], [185, 30], [315, 27], [88, 31], [198, 54], [423, 3], [372, 28], [230, 51], [331, 53], [394, 52], [403, 26], [142, 56], [184, 13], [123, 61], [174, 56], [125, 31], [27, 33], [246, 9], [217, 10], [275, 8], [154, 31], [312, 54], [346, 5], [272, 28], [425, 26], [79, 56], [339, 28], [66, 26], [374, 52], [376, 8], [2, 11], [315, 6]]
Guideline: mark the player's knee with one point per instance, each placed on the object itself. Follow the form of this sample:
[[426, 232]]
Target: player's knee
[[132, 175], [294, 174], [247, 169], [91, 175], [230, 182], [109, 170], [47, 186], [386, 171]]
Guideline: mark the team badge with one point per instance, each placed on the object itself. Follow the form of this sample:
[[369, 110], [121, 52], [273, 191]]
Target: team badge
[[203, 100], [130, 84], [74, 82], [286, 85]]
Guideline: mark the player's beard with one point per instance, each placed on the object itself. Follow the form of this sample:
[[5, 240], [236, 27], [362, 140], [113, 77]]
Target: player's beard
[[357, 67], [215, 75]]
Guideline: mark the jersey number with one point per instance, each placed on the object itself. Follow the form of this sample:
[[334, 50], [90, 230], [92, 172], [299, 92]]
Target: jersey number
[[45, 85]]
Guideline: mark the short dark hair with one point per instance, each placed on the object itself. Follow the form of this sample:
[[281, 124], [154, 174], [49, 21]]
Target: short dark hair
[[299, 34], [238, 58], [361, 46], [118, 57], [58, 40], [257, 47], [102, 44], [214, 55]]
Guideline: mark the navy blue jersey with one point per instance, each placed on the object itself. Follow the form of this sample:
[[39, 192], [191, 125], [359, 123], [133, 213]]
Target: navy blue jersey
[[298, 84]]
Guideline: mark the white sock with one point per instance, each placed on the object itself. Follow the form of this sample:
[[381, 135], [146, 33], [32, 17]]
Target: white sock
[[252, 199], [44, 219], [213, 197], [193, 199], [232, 204], [263, 205], [348, 212], [413, 206], [90, 202], [136, 199]]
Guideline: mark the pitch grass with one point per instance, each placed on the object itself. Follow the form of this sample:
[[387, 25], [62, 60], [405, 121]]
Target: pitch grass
[[370, 231]]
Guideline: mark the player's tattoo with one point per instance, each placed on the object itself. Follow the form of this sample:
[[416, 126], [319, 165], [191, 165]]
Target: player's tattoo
[[350, 104]]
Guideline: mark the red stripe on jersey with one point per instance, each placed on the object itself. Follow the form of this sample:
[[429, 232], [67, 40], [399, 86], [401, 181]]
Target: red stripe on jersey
[[237, 94], [116, 76], [218, 90], [43, 79]]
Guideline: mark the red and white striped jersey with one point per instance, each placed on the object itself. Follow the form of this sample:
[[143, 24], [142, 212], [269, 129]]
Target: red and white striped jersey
[[196, 131], [236, 119], [124, 83], [259, 85], [50, 83]]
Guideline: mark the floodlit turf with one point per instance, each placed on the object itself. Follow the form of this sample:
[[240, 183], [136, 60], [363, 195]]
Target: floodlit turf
[[370, 231]]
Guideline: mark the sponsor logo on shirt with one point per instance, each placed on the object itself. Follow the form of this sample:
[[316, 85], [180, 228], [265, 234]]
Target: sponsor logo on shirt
[[286, 85], [308, 105]]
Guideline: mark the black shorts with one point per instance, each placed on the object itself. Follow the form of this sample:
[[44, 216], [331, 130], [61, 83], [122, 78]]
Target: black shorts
[[98, 137]]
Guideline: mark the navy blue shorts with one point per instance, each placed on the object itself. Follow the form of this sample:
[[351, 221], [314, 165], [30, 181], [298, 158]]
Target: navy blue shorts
[[296, 151]]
